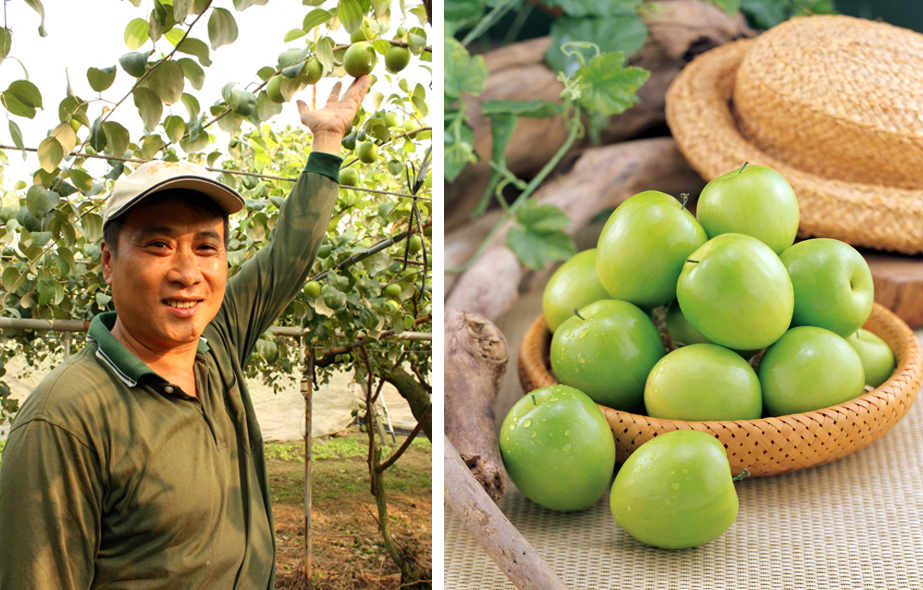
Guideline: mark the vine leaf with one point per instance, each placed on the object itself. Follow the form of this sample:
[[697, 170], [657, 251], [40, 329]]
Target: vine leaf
[[537, 237], [463, 73], [459, 150], [609, 87], [626, 33]]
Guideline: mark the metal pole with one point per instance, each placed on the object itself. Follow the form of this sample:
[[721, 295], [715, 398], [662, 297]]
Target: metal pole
[[307, 387]]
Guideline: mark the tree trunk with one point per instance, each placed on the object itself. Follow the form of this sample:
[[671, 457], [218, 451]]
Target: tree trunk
[[417, 396]]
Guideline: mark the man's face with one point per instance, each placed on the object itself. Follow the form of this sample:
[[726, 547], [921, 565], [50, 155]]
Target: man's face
[[169, 274]]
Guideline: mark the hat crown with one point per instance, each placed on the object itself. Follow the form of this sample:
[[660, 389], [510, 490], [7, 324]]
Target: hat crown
[[836, 96]]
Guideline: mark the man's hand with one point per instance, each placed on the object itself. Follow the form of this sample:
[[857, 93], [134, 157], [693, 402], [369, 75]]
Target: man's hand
[[329, 124]]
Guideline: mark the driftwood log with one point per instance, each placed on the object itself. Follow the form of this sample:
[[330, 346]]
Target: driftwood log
[[678, 31], [476, 357], [512, 553], [600, 179]]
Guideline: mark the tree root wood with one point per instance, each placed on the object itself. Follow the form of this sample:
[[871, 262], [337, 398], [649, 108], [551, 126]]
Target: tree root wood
[[476, 356], [512, 553]]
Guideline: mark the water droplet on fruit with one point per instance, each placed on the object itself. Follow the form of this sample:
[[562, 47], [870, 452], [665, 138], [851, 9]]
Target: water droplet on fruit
[[567, 433], [534, 434], [566, 448], [512, 427], [675, 486], [527, 422]]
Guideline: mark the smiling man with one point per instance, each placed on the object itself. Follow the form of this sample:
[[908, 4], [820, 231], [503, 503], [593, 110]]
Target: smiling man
[[138, 462]]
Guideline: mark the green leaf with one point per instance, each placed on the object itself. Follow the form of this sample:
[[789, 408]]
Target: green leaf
[[101, 78], [334, 299], [66, 136], [240, 5], [91, 226], [181, 9], [22, 98], [315, 18], [292, 58], [731, 7], [596, 8], [102, 299], [293, 34], [609, 87], [463, 10], [627, 34], [135, 63], [458, 151], [72, 108], [192, 106], [174, 36], [160, 22], [81, 179], [6, 41], [266, 108], [10, 278], [36, 5], [50, 154], [149, 107], [538, 238], [41, 238], [17, 137], [117, 138], [150, 145], [502, 126], [41, 201], [136, 33], [197, 48], [522, 108], [175, 128], [166, 79], [463, 73], [350, 14], [97, 138], [222, 28], [764, 14], [193, 72], [324, 52]]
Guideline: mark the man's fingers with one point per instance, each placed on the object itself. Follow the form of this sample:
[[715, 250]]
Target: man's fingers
[[334, 94]]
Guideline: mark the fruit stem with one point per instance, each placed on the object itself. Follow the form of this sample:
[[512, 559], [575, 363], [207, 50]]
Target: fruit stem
[[577, 313], [743, 475], [742, 167], [692, 261], [534, 403], [685, 199]]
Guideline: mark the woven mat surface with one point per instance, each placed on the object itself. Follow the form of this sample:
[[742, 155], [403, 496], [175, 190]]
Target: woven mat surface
[[856, 523]]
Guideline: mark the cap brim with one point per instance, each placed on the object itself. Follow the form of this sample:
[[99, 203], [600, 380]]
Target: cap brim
[[228, 199], [700, 115]]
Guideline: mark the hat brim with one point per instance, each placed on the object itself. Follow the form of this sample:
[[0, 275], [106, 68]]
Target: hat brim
[[226, 198], [701, 118]]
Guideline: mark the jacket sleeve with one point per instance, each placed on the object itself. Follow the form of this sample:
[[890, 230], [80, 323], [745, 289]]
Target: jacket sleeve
[[50, 507], [268, 282]]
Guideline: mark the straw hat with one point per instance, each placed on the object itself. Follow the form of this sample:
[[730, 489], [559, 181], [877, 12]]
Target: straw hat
[[834, 104]]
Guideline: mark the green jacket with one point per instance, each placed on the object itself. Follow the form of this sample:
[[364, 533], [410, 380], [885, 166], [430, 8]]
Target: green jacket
[[112, 478]]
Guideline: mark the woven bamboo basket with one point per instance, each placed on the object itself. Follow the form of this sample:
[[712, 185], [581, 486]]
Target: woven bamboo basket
[[769, 446]]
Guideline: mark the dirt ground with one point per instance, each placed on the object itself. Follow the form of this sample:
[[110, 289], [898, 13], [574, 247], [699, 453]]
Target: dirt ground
[[347, 547]]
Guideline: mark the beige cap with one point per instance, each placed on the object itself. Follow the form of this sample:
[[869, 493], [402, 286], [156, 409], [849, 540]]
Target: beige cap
[[153, 177]]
